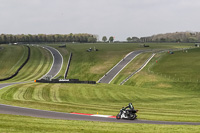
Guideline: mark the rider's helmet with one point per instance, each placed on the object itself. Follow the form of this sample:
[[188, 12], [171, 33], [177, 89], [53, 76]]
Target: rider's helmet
[[130, 105]]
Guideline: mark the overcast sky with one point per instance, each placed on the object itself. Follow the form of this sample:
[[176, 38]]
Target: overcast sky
[[118, 18]]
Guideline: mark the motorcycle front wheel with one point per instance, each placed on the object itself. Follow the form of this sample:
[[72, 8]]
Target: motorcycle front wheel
[[118, 116]]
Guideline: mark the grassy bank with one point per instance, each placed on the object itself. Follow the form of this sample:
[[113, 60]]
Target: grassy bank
[[181, 66], [38, 65], [11, 58], [155, 100], [158, 97], [93, 65]]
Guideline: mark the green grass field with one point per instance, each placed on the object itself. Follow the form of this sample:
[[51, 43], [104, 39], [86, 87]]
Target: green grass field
[[13, 62], [158, 101], [181, 66], [93, 65], [161, 91], [39, 64]]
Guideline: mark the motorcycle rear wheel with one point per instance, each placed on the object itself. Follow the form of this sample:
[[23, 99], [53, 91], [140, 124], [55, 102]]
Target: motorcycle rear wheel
[[134, 117]]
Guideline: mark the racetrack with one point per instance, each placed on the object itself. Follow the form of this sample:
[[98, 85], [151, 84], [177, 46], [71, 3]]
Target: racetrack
[[57, 62], [109, 76], [8, 109]]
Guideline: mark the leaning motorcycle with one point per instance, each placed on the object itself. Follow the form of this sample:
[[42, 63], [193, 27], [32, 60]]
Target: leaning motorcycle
[[127, 114]]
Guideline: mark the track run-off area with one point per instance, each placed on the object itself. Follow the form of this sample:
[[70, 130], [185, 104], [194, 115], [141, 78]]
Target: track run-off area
[[55, 68]]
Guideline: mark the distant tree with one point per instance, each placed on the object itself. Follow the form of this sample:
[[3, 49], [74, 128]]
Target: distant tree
[[104, 38], [192, 39], [76, 38], [135, 39], [3, 38], [92, 39], [24, 38], [143, 39], [111, 39], [162, 40], [129, 39], [178, 40], [70, 37]]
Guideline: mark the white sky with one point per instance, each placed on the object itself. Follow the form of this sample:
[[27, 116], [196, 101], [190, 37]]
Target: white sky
[[118, 18]]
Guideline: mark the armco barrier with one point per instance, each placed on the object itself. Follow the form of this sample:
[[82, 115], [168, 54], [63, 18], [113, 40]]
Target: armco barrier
[[66, 72], [27, 59], [68, 81]]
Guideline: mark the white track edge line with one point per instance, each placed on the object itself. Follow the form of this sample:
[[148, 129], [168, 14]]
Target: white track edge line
[[61, 63], [52, 62], [114, 67], [138, 70], [123, 68]]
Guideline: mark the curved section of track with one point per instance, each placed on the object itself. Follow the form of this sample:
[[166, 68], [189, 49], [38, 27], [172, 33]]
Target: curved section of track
[[14, 110], [7, 109], [57, 62]]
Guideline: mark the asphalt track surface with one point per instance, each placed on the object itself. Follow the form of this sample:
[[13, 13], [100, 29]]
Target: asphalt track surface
[[7, 109], [14, 110], [138, 70], [57, 62], [109, 76]]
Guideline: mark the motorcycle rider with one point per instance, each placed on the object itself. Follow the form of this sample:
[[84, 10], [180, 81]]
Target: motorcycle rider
[[127, 113], [130, 106], [130, 109]]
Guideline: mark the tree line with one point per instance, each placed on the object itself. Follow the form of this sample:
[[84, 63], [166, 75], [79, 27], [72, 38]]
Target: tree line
[[105, 39], [169, 37], [40, 38]]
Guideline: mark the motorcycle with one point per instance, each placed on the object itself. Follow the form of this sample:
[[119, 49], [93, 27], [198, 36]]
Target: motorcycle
[[127, 114]]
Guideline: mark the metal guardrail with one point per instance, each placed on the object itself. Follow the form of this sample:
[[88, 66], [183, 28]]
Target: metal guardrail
[[67, 69], [76, 81]]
